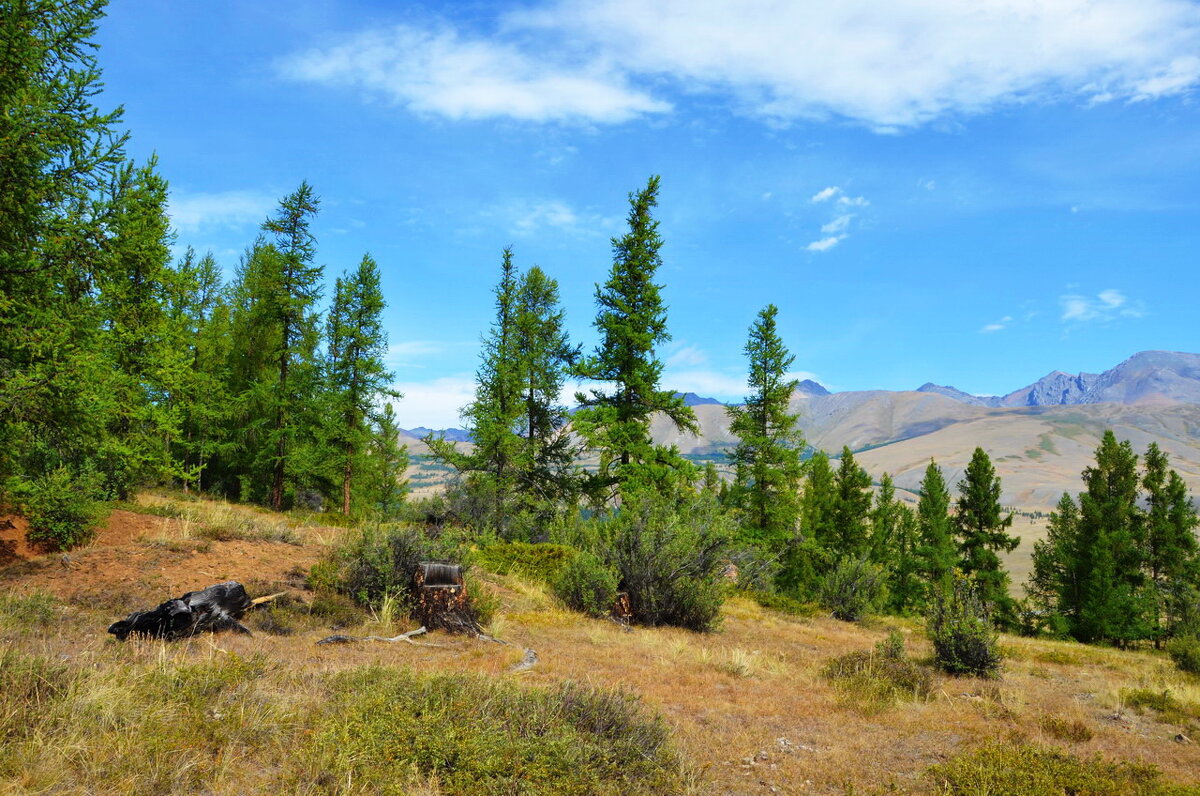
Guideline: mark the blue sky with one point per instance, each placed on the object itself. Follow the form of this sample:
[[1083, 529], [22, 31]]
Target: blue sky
[[972, 194]]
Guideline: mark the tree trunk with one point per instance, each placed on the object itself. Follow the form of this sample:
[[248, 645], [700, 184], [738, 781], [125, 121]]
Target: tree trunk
[[346, 474]]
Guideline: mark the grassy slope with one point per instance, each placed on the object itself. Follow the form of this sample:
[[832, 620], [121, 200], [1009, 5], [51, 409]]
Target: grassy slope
[[748, 706]]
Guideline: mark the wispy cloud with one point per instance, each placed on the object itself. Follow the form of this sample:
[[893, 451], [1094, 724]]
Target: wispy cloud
[[524, 217], [825, 244], [440, 71], [837, 229], [998, 326], [886, 66], [435, 403], [1105, 305], [193, 211]]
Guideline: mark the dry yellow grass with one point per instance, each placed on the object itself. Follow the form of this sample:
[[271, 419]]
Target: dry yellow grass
[[749, 708]]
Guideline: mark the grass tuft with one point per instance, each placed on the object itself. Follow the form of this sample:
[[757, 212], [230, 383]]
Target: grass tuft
[[1005, 769]]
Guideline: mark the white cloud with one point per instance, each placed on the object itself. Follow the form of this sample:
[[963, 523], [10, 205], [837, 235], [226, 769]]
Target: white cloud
[[190, 212], [403, 354], [460, 77], [838, 225], [1000, 325], [894, 65], [524, 217], [435, 403], [837, 229], [1104, 306], [825, 244], [686, 356], [888, 66]]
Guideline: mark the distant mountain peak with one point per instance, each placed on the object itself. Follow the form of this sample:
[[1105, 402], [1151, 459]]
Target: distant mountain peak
[[1145, 377], [692, 399], [451, 434], [812, 388]]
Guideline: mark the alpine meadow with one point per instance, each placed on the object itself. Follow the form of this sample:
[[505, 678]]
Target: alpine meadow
[[519, 398]]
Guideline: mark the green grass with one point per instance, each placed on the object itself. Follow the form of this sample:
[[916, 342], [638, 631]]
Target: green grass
[[385, 727], [538, 562], [26, 611], [1007, 769], [194, 720]]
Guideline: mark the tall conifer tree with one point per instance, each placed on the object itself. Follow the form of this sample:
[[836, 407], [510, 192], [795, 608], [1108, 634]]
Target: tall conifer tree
[[981, 525], [632, 321], [292, 312], [767, 457], [852, 511], [358, 379], [935, 548]]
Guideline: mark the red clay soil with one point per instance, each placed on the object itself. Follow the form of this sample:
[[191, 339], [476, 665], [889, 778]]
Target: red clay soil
[[117, 569]]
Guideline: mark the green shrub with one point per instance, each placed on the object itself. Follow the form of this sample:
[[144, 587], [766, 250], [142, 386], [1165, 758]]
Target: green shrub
[[1169, 707], [385, 728], [381, 561], [784, 603], [63, 508], [1185, 651], [38, 609], [1072, 730], [853, 589], [878, 679], [541, 562], [959, 625], [669, 557], [1006, 769], [586, 584]]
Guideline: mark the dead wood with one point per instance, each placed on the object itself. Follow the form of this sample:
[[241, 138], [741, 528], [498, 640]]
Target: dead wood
[[216, 608], [405, 637], [528, 662]]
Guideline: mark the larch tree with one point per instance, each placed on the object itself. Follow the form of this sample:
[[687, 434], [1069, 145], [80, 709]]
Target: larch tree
[[767, 457], [547, 476], [291, 311], [981, 524], [358, 380], [1169, 539], [492, 418], [60, 156], [1115, 603], [935, 548], [632, 321], [852, 510]]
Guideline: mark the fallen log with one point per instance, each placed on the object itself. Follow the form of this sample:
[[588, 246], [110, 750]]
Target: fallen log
[[216, 608], [406, 637]]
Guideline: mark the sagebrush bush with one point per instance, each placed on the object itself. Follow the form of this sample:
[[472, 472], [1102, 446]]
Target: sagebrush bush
[[877, 679], [1001, 769], [1185, 652], [476, 735], [63, 507], [586, 584], [854, 588], [381, 560], [669, 558], [959, 625], [542, 562]]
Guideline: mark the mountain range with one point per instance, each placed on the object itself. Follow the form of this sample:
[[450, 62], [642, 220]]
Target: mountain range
[[1147, 377], [1040, 437]]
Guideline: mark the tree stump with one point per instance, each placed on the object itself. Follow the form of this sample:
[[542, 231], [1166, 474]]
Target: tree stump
[[216, 608], [440, 595]]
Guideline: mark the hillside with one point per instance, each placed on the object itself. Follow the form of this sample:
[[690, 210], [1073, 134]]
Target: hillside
[[748, 708]]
